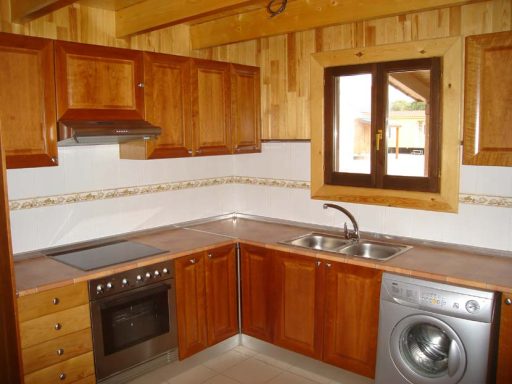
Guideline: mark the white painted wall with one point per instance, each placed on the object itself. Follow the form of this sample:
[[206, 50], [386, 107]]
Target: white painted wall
[[98, 167]]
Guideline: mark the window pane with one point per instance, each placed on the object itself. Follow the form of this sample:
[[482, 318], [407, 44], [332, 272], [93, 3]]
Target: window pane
[[352, 135], [407, 130]]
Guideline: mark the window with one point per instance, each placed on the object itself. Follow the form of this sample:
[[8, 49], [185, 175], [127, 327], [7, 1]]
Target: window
[[382, 125]]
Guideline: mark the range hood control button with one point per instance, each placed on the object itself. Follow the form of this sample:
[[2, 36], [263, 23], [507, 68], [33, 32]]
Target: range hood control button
[[148, 275], [165, 271], [124, 282], [99, 289], [139, 278], [109, 285], [157, 273]]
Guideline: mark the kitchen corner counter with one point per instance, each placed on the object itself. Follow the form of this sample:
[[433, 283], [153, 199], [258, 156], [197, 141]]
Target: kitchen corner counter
[[36, 272]]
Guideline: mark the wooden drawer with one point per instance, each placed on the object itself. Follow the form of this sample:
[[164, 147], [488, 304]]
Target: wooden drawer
[[51, 301], [56, 350], [86, 380], [73, 370], [58, 324]]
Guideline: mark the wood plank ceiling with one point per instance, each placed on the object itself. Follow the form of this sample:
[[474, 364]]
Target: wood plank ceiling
[[219, 22]]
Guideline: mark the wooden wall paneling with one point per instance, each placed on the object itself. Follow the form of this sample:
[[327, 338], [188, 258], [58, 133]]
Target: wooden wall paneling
[[10, 349]]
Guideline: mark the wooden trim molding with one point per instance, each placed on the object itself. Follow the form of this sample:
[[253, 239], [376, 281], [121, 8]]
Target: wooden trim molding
[[10, 352], [450, 49]]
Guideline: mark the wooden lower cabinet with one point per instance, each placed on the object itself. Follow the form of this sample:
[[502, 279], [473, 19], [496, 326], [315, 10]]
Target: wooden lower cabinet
[[257, 292], [504, 369], [206, 299], [298, 306], [351, 317]]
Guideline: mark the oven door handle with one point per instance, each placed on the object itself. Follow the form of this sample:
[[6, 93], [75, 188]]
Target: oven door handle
[[133, 294]]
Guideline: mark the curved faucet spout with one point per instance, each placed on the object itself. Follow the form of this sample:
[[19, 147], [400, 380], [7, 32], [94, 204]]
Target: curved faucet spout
[[348, 234]]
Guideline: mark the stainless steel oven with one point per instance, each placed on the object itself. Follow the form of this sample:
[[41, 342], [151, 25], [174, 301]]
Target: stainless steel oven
[[133, 317]]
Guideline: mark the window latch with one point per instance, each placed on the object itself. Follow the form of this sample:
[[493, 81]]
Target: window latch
[[378, 138]]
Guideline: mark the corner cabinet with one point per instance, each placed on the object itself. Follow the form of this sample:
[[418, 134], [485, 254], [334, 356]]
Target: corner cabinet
[[504, 369], [206, 299], [27, 101], [98, 83]]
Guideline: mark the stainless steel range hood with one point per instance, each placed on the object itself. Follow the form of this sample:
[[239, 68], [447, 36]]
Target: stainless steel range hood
[[87, 132]]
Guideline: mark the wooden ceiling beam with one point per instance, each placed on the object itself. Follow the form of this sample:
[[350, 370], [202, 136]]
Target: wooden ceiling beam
[[301, 15], [26, 10], [153, 14]]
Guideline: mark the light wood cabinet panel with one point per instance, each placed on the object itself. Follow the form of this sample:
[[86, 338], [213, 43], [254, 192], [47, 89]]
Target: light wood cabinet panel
[[97, 83], [504, 371], [245, 108], [54, 325], [27, 101], [56, 350], [487, 100], [51, 301], [211, 107], [167, 105], [298, 317], [191, 304], [351, 317], [69, 371], [257, 291], [221, 294]]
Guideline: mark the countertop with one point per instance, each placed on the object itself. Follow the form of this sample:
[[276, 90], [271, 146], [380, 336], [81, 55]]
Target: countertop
[[476, 268]]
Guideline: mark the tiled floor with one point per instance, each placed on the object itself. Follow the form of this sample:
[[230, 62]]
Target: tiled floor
[[242, 365]]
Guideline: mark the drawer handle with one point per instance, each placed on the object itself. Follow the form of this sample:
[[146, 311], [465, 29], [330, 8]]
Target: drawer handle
[[55, 301], [328, 265], [210, 255], [192, 261], [60, 351], [57, 326], [62, 376], [508, 301]]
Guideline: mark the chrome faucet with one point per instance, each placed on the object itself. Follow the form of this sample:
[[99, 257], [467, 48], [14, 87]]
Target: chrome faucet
[[349, 234]]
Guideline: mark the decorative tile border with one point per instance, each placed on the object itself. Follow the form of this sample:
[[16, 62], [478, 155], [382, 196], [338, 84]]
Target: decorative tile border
[[79, 197]]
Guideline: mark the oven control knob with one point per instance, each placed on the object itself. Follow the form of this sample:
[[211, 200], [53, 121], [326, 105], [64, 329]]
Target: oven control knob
[[472, 306], [99, 289], [165, 271], [124, 282], [109, 285], [148, 275], [157, 273], [139, 278]]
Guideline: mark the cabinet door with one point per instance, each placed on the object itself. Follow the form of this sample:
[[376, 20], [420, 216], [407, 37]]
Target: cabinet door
[[211, 107], [257, 271], [97, 83], [221, 294], [298, 290], [245, 108], [190, 304], [167, 105], [504, 373], [27, 101], [351, 317]]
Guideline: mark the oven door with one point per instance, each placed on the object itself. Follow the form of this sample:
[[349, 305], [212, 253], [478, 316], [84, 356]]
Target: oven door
[[132, 327]]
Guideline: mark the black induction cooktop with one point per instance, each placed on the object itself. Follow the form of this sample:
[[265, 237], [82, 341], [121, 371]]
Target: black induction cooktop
[[103, 255]]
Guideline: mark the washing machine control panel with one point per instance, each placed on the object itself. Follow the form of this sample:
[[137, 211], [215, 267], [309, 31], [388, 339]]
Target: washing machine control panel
[[438, 300]]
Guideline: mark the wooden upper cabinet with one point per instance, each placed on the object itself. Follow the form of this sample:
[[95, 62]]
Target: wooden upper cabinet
[[257, 290], [487, 100], [167, 105], [298, 316], [211, 107], [191, 304], [245, 108], [221, 294], [351, 317], [504, 371], [27, 101], [98, 83]]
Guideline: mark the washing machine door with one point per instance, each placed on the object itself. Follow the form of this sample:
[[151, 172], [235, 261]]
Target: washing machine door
[[426, 350]]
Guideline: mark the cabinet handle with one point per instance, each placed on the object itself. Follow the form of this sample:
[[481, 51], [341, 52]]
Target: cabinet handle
[[508, 301], [199, 151], [318, 263], [57, 326], [328, 265], [192, 261], [190, 152], [53, 160], [210, 255], [60, 351], [62, 376], [55, 301], [140, 85]]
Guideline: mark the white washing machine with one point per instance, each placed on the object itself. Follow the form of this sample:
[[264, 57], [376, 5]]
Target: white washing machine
[[433, 333]]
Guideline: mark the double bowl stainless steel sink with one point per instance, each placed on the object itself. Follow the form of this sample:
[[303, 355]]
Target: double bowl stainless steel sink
[[368, 249]]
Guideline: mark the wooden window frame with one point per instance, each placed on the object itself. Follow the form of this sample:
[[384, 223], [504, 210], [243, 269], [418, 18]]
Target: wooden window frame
[[378, 178], [446, 197]]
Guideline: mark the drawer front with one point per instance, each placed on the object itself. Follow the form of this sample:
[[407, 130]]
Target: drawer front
[[58, 324], [57, 350], [69, 371], [51, 301], [86, 380]]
